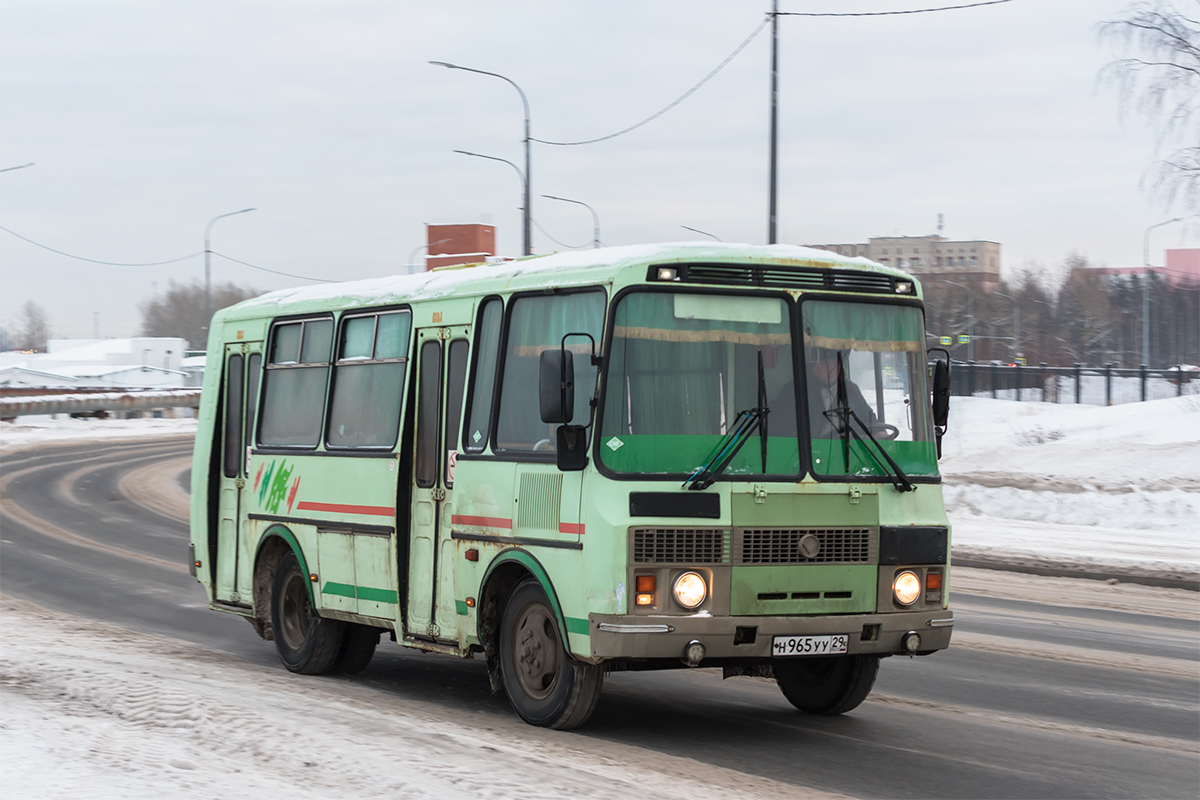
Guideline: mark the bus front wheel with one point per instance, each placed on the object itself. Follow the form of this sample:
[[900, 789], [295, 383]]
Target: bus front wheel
[[828, 686], [306, 642], [544, 684]]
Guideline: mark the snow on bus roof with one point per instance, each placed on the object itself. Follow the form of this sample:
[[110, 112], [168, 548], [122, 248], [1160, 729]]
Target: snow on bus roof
[[442, 281]]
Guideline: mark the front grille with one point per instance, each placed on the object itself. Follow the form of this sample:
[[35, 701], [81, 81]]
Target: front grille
[[786, 546], [680, 546], [780, 277]]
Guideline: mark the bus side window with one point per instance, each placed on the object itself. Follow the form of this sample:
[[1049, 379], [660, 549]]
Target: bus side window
[[428, 400], [296, 376], [253, 371], [457, 382], [234, 381], [483, 381], [368, 380], [537, 323]]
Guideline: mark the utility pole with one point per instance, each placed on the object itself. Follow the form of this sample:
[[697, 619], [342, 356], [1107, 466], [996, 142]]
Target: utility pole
[[772, 212]]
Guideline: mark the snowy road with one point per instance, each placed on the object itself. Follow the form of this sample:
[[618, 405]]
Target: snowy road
[[1053, 687]]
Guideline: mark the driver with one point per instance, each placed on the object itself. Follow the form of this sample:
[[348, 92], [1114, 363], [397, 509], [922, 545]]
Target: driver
[[823, 395]]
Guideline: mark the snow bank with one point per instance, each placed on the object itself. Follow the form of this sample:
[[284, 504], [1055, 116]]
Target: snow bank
[[1116, 486]]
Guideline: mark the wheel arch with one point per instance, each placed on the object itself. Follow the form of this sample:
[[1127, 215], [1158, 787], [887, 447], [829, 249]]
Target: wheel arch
[[506, 570], [275, 542]]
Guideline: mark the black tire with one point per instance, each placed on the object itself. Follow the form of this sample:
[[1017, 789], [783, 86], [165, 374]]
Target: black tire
[[828, 686], [544, 684], [358, 646], [306, 643]]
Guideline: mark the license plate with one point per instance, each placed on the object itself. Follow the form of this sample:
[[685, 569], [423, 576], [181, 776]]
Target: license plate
[[809, 645]]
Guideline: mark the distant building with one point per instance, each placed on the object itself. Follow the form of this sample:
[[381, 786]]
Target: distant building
[[976, 262], [1182, 269], [458, 243], [141, 362]]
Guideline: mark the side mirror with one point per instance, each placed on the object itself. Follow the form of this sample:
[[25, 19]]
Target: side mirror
[[556, 386], [571, 447], [941, 393]]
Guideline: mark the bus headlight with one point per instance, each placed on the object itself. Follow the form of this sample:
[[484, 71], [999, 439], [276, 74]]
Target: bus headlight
[[907, 588], [690, 590]]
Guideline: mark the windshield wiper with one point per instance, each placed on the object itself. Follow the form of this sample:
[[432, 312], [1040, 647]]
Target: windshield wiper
[[744, 426], [899, 479]]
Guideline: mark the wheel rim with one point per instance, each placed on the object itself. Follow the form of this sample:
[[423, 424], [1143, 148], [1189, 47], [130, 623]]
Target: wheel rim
[[295, 614], [537, 652]]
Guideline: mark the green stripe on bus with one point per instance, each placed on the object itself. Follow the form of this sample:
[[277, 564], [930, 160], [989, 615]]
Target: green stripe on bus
[[576, 625], [361, 592], [377, 595], [460, 607]]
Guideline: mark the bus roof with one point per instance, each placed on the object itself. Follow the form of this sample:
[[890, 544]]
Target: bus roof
[[586, 267]]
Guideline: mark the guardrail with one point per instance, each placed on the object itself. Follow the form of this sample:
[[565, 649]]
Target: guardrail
[[1107, 385], [100, 401]]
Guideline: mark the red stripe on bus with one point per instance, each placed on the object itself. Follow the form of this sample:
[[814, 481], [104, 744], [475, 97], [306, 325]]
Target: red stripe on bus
[[338, 508], [487, 522], [571, 527]]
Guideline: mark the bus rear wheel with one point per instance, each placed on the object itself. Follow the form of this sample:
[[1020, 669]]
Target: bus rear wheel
[[544, 684], [358, 647], [306, 642], [827, 686]]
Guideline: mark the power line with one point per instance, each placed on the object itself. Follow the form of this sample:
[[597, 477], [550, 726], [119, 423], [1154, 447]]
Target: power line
[[557, 242], [95, 261], [272, 271], [889, 13], [673, 103]]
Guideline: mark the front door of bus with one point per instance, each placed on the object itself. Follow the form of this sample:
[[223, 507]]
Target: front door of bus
[[441, 377], [243, 365]]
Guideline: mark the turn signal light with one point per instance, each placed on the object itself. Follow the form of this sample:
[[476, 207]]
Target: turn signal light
[[470, 602], [645, 583], [313, 577], [933, 580], [472, 555]]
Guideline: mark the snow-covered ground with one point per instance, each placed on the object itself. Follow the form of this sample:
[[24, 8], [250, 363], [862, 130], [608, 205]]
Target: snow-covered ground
[[34, 430], [98, 712], [1087, 485]]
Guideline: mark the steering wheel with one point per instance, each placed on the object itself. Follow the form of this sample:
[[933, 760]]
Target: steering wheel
[[544, 444], [882, 430]]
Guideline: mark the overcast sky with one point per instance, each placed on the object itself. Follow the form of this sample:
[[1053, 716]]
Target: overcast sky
[[147, 119]]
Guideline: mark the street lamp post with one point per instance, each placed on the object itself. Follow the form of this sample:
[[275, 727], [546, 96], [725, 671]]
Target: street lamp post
[[527, 176], [207, 263], [524, 183], [595, 218], [1016, 323], [1146, 288], [970, 317], [416, 250]]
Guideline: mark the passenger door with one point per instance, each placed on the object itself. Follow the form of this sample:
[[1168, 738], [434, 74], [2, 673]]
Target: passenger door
[[243, 366], [441, 376]]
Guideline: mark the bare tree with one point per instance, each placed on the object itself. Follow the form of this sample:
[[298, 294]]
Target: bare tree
[[1160, 80], [179, 311], [34, 330]]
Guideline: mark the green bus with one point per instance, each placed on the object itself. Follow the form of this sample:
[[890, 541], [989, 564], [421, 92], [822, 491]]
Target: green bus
[[649, 457]]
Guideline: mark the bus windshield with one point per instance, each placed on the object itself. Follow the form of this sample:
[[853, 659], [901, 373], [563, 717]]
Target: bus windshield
[[865, 373], [681, 369]]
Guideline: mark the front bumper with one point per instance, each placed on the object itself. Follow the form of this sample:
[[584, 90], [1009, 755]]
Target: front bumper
[[622, 636]]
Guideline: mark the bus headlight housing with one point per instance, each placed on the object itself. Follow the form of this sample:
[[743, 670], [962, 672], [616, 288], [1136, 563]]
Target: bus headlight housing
[[690, 590], [906, 587]]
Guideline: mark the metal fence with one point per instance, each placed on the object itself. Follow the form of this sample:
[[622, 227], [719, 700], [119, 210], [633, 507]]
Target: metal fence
[[1101, 386]]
